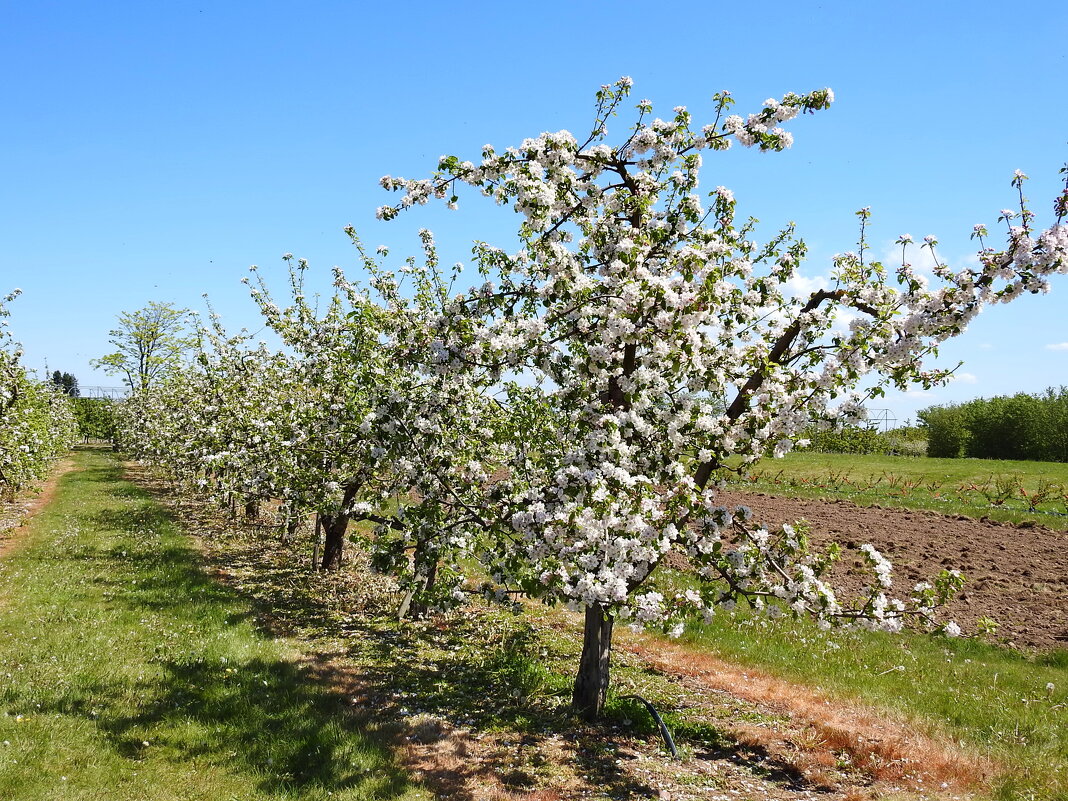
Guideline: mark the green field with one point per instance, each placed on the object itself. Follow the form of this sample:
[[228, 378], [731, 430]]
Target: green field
[[999, 490]]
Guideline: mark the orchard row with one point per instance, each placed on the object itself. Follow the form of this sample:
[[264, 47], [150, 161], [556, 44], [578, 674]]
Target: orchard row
[[558, 427], [37, 421]]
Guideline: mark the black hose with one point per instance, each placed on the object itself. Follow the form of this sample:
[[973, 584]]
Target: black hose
[[670, 743]]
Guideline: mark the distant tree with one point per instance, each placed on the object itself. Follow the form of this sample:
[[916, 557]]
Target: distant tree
[[66, 383], [149, 342], [948, 432], [1055, 403]]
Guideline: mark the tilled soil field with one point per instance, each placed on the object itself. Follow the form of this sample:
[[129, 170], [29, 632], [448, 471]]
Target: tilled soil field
[[1016, 576]]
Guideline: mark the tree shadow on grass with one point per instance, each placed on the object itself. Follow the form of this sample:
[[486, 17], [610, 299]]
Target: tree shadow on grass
[[266, 716], [111, 474], [212, 697], [713, 743], [126, 491], [394, 673], [97, 473], [501, 686], [501, 736]]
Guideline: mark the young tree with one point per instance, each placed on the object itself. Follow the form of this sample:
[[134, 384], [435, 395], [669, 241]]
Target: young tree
[[336, 366], [672, 350], [149, 342], [376, 432], [95, 418], [436, 436]]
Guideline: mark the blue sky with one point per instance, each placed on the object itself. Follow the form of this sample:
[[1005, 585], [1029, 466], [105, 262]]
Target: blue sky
[[153, 151]]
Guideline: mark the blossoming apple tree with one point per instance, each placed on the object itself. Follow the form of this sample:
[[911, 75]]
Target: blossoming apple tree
[[670, 350], [353, 420], [36, 421], [436, 435], [382, 437]]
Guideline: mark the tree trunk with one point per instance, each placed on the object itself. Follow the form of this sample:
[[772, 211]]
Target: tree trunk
[[334, 541], [315, 543], [591, 683], [422, 582], [292, 524]]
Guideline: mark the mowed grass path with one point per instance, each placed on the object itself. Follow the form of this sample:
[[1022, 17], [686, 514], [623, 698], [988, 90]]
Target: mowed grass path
[[127, 673]]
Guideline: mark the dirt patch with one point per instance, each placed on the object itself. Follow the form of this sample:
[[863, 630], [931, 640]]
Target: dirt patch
[[1016, 576], [15, 515]]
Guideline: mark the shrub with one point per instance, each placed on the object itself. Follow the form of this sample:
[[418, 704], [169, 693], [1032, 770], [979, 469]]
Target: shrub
[[947, 431], [849, 439]]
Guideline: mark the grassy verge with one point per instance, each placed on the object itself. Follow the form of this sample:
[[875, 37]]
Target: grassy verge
[[1000, 490], [1010, 706], [127, 673], [1005, 704]]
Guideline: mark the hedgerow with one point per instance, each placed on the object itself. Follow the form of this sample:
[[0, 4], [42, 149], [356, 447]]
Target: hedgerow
[[1022, 426]]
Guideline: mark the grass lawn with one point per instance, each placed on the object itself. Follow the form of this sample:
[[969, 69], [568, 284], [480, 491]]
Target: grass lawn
[[127, 673], [1000, 490], [1009, 706]]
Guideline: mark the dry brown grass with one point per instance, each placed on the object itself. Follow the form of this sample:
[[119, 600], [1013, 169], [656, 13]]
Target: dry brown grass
[[883, 748]]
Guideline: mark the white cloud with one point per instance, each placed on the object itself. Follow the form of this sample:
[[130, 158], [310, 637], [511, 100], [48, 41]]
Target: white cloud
[[963, 378], [800, 286], [920, 258], [842, 319], [1058, 346], [985, 346]]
